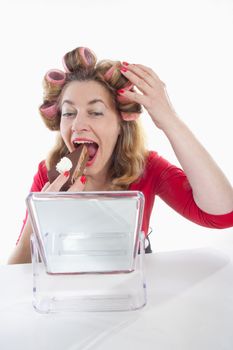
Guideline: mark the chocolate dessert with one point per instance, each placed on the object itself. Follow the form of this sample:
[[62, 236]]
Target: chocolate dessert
[[79, 158]]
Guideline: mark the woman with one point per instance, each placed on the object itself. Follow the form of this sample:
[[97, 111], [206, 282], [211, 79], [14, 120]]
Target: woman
[[99, 104]]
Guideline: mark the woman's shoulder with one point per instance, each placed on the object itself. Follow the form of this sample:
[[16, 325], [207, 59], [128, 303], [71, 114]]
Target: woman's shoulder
[[154, 160], [153, 167], [42, 169], [151, 156], [156, 167]]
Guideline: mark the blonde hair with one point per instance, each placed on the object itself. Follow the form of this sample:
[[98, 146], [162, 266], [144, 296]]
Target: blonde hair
[[129, 155]]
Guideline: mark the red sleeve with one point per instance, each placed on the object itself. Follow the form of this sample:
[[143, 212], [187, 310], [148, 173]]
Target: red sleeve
[[39, 181], [40, 178], [172, 185]]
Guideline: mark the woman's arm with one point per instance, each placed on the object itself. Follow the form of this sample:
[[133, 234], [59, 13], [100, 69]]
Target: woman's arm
[[212, 192], [22, 252]]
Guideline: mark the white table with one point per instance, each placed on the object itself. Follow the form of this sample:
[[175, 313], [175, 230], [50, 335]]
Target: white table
[[190, 306]]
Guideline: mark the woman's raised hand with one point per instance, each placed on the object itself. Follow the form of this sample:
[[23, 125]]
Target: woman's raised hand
[[152, 94]]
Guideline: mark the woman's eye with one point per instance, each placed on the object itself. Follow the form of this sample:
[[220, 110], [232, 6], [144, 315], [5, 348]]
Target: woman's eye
[[96, 113], [68, 114]]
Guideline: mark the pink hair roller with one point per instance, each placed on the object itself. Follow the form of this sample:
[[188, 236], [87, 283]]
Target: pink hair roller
[[64, 65], [49, 110], [109, 73], [82, 56], [55, 76], [127, 116], [86, 55]]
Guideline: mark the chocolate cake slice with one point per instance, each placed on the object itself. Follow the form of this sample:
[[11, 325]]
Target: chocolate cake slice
[[79, 158]]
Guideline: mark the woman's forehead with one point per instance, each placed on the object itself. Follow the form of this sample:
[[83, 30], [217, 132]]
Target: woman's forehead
[[82, 92]]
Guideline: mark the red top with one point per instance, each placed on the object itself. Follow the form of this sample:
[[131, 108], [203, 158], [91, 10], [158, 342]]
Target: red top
[[165, 180]]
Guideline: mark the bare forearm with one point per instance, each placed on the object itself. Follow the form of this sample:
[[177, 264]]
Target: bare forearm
[[22, 253], [211, 190]]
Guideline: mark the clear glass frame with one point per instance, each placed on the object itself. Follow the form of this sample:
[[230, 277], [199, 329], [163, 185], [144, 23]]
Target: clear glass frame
[[85, 249]]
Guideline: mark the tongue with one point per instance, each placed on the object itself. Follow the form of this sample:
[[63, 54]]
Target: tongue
[[92, 149]]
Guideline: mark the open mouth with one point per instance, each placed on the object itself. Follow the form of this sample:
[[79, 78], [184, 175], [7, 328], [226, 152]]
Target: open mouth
[[92, 148]]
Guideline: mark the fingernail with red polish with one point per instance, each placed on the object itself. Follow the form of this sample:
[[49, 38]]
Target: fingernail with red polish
[[83, 179], [125, 64], [121, 91], [122, 69], [66, 173]]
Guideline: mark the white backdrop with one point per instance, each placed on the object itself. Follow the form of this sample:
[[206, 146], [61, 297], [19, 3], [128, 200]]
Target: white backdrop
[[188, 44]]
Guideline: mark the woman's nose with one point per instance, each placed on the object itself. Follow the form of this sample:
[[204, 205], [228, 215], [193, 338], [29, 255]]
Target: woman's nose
[[80, 123]]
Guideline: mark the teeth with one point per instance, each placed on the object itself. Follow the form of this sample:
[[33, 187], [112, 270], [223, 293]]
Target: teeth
[[77, 142]]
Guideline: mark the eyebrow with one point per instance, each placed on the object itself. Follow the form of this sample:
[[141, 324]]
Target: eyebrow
[[89, 103]]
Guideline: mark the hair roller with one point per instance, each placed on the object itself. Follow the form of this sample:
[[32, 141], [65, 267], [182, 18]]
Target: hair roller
[[55, 77], [109, 73], [53, 82], [114, 77], [49, 110], [64, 64], [130, 116], [77, 58], [88, 56]]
